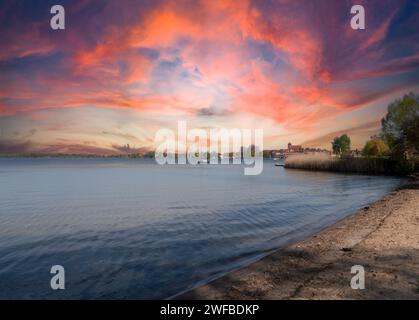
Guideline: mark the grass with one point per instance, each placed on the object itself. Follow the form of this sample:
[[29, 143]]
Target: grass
[[353, 165]]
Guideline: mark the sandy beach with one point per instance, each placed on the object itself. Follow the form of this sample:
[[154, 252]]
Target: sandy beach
[[383, 238]]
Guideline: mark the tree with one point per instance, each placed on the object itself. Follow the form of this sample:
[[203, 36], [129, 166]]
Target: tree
[[411, 134], [375, 148], [400, 125], [341, 145]]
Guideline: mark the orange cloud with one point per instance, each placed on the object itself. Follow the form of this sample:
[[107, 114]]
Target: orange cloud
[[276, 60]]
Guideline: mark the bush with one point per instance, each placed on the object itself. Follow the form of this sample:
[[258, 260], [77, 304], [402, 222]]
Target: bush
[[375, 148]]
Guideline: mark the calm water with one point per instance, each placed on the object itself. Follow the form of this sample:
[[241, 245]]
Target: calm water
[[133, 229]]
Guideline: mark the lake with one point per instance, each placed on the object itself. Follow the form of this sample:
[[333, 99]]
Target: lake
[[129, 228]]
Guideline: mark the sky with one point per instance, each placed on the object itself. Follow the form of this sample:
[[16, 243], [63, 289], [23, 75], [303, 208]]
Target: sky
[[122, 70]]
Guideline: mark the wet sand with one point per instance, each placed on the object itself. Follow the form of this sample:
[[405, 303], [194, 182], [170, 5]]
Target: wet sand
[[383, 238]]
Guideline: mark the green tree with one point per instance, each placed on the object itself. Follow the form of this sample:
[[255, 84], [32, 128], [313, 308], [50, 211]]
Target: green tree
[[400, 125], [341, 145], [375, 148]]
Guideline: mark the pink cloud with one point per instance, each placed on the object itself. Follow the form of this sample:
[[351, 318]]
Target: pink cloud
[[273, 60]]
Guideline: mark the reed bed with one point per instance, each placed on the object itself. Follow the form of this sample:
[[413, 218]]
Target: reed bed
[[350, 165]]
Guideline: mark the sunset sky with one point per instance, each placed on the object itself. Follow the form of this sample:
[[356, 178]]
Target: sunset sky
[[124, 69]]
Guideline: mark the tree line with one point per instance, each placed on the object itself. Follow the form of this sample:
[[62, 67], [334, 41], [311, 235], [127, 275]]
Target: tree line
[[398, 138]]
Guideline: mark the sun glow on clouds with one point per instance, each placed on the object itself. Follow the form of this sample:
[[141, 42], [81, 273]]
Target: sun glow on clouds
[[122, 70]]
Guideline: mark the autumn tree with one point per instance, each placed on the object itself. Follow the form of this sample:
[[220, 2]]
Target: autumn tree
[[375, 148]]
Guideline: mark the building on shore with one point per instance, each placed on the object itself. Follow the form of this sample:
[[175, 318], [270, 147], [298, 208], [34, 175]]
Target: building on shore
[[295, 150]]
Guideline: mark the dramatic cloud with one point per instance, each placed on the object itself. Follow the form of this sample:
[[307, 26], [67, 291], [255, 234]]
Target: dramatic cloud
[[292, 66], [359, 135]]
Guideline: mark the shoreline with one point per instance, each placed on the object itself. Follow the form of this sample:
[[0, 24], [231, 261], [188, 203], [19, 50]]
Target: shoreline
[[382, 237]]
